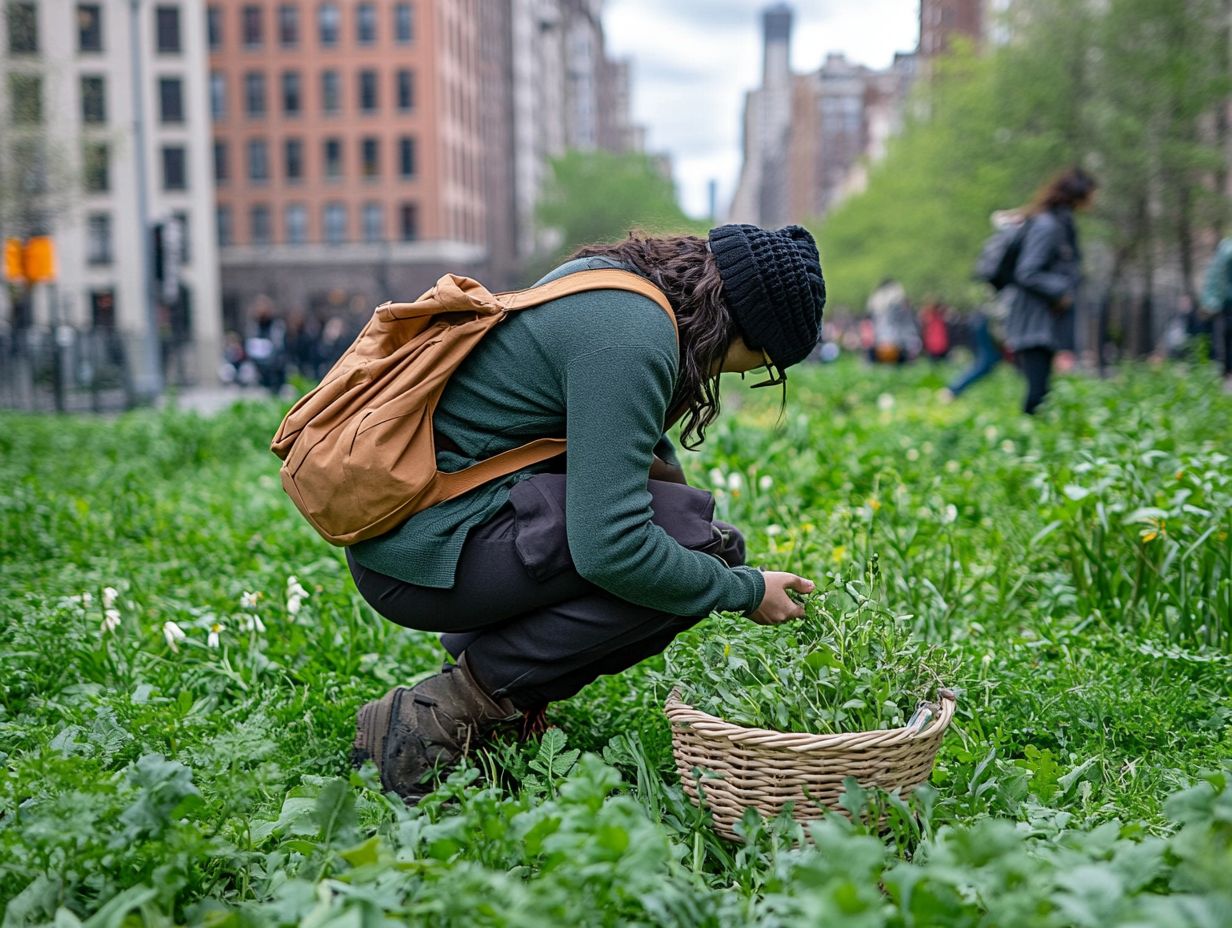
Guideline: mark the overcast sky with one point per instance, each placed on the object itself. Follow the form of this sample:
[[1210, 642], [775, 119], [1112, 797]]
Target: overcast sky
[[693, 60]]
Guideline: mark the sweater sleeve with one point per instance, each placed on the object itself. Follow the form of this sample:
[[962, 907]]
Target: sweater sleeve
[[615, 402], [1039, 248]]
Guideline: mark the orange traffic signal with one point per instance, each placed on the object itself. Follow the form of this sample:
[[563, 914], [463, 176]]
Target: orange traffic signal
[[14, 265], [40, 259]]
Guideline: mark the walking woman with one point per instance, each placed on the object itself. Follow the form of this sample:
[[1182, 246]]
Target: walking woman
[[1046, 278], [543, 581]]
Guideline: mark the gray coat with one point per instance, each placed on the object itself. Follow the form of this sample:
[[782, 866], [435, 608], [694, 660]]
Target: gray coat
[[1048, 269]]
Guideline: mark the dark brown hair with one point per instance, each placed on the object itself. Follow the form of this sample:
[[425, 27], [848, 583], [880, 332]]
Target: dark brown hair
[[1067, 188], [685, 270]]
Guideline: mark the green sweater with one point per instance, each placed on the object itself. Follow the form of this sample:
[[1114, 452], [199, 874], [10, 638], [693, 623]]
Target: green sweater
[[599, 368]]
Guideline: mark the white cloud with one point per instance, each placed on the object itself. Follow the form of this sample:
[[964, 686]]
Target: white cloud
[[693, 60]]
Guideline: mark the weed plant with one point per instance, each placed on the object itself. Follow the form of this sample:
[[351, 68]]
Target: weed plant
[[181, 659]]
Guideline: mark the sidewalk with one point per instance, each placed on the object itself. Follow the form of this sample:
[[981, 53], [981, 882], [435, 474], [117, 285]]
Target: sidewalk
[[208, 401]]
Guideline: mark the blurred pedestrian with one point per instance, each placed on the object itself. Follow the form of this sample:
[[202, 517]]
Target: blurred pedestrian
[[1216, 306], [935, 331], [1046, 278], [266, 346], [895, 339], [988, 354]]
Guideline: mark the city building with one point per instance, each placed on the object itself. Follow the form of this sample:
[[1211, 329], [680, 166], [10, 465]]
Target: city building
[[942, 20], [348, 150], [809, 137], [104, 133]]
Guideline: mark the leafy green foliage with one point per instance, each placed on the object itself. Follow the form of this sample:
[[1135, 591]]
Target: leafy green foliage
[[850, 665], [142, 782]]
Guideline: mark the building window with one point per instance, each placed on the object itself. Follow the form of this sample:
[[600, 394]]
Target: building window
[[328, 22], [406, 89], [291, 101], [96, 167], [23, 28], [295, 218], [367, 91], [406, 156], [370, 157], [226, 234], [374, 223], [170, 99], [218, 96], [213, 28], [335, 223], [333, 158], [293, 159], [259, 225], [404, 23], [222, 170], [98, 239], [26, 94], [89, 27], [167, 28], [252, 26], [365, 24], [175, 167], [254, 93], [258, 160], [93, 100], [288, 25], [409, 214], [331, 91]]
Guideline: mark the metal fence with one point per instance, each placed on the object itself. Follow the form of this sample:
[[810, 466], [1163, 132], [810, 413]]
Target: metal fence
[[66, 369]]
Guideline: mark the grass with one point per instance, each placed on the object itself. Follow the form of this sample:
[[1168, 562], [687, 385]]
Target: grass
[[1076, 569]]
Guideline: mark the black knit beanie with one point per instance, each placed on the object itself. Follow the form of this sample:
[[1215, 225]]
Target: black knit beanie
[[774, 287]]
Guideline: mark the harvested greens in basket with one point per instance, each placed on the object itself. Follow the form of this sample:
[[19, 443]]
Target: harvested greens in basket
[[850, 665]]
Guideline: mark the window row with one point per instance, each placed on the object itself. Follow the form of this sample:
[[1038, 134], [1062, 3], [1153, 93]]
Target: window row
[[99, 250], [96, 167], [171, 109], [252, 25], [291, 91], [335, 224], [257, 156]]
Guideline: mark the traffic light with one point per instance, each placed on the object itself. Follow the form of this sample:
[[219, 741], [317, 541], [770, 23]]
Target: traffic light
[[40, 259]]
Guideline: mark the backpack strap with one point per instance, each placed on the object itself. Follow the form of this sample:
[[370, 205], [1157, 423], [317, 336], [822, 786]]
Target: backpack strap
[[455, 484], [580, 282]]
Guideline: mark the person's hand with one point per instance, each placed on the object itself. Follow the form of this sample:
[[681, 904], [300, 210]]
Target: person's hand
[[776, 606]]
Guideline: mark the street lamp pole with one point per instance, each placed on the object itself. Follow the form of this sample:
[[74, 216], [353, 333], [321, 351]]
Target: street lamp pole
[[149, 379]]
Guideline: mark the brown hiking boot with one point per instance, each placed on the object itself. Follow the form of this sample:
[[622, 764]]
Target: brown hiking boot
[[414, 732]]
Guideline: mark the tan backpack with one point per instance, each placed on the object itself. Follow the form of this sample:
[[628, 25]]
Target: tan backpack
[[358, 451]]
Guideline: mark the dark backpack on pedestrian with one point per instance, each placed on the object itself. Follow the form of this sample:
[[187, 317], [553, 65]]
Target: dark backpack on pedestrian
[[998, 258]]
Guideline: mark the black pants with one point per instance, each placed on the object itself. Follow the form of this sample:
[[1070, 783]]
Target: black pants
[[1036, 366], [535, 638]]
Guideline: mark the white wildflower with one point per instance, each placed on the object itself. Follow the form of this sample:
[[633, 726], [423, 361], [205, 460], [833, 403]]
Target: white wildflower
[[765, 483], [950, 515], [248, 601], [253, 623], [212, 639], [991, 433], [952, 466], [110, 595], [735, 481], [111, 620], [1008, 446], [986, 660], [928, 447], [885, 402], [716, 477], [773, 530], [913, 454], [296, 595], [86, 599], [174, 635]]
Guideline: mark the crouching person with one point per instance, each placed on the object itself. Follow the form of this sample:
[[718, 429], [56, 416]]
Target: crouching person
[[587, 564]]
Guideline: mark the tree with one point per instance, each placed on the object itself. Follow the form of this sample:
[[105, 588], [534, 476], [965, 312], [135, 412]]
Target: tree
[[599, 196]]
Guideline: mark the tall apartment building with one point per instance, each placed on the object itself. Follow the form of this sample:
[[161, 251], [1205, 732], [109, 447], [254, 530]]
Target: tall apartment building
[[348, 149], [942, 20], [72, 84], [808, 136]]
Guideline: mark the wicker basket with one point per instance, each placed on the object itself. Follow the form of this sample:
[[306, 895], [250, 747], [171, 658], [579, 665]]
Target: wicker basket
[[754, 767]]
